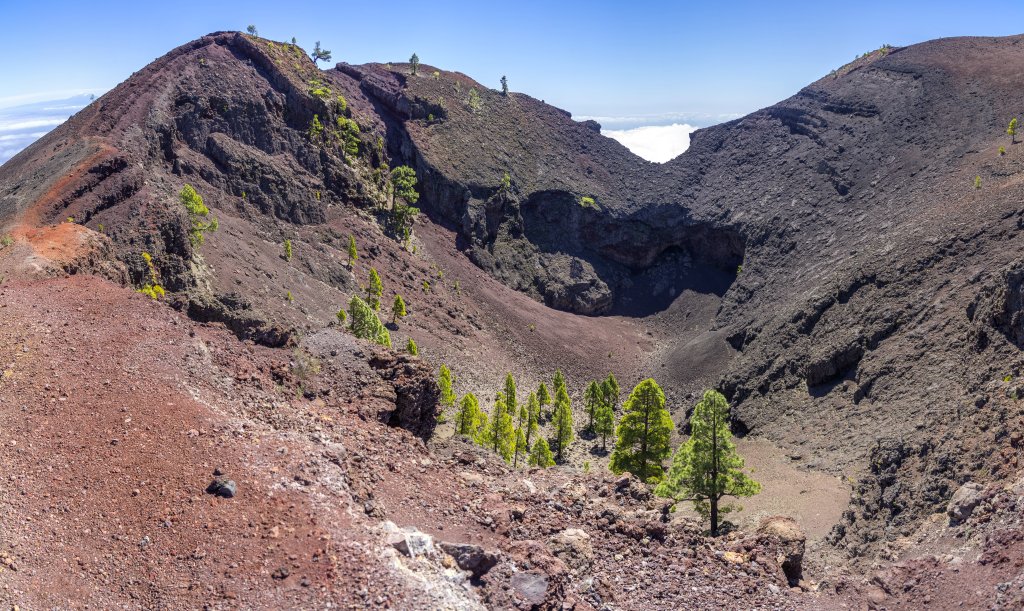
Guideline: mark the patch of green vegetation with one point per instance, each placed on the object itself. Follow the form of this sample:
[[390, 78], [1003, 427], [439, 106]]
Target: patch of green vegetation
[[6, 241], [474, 102], [588, 202], [198, 213], [349, 135], [319, 89], [977, 182], [152, 289], [315, 131], [287, 250]]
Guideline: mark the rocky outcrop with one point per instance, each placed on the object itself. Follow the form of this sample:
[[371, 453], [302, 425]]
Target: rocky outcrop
[[791, 540], [417, 396]]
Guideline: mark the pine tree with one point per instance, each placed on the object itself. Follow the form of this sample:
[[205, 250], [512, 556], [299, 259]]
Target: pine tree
[[520, 447], [604, 423], [1012, 130], [397, 308], [252, 30], [365, 324], [469, 418], [706, 467], [414, 64], [510, 393], [353, 254], [446, 381], [375, 290], [500, 435], [411, 348], [504, 85], [543, 396], [403, 179], [559, 381], [320, 54], [287, 250], [643, 433], [592, 401], [562, 420], [541, 456], [610, 387], [532, 417]]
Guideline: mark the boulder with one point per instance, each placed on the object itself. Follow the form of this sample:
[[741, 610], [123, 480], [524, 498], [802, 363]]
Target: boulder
[[222, 487], [963, 503], [409, 540], [531, 587], [472, 558], [572, 546], [792, 541]]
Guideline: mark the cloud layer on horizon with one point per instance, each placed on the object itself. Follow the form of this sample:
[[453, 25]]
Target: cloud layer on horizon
[[23, 124], [658, 143]]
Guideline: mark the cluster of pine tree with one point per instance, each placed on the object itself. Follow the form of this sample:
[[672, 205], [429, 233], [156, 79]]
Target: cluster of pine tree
[[362, 316], [601, 399], [512, 429]]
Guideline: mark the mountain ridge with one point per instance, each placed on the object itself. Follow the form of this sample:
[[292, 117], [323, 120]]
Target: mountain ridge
[[829, 262]]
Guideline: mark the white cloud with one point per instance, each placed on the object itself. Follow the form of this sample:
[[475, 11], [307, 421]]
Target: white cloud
[[15, 126], [25, 122], [658, 143]]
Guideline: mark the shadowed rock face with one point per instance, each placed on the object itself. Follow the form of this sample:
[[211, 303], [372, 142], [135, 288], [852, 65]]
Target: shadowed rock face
[[879, 290]]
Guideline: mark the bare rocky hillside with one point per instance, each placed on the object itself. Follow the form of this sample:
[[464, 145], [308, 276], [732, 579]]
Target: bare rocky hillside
[[844, 265]]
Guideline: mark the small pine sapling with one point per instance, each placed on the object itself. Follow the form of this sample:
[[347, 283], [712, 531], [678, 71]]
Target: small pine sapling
[[353, 254], [446, 382], [397, 309], [375, 290]]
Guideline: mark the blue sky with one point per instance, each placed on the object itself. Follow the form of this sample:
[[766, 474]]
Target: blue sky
[[626, 63]]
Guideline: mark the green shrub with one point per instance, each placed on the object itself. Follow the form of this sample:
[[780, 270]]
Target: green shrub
[[474, 101], [6, 241], [152, 289], [319, 89], [977, 182], [365, 324], [349, 132], [287, 250], [198, 213], [411, 348], [588, 202], [315, 132], [1002, 151]]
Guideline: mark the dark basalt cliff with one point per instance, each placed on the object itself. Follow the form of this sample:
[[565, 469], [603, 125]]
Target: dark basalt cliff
[[868, 294]]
